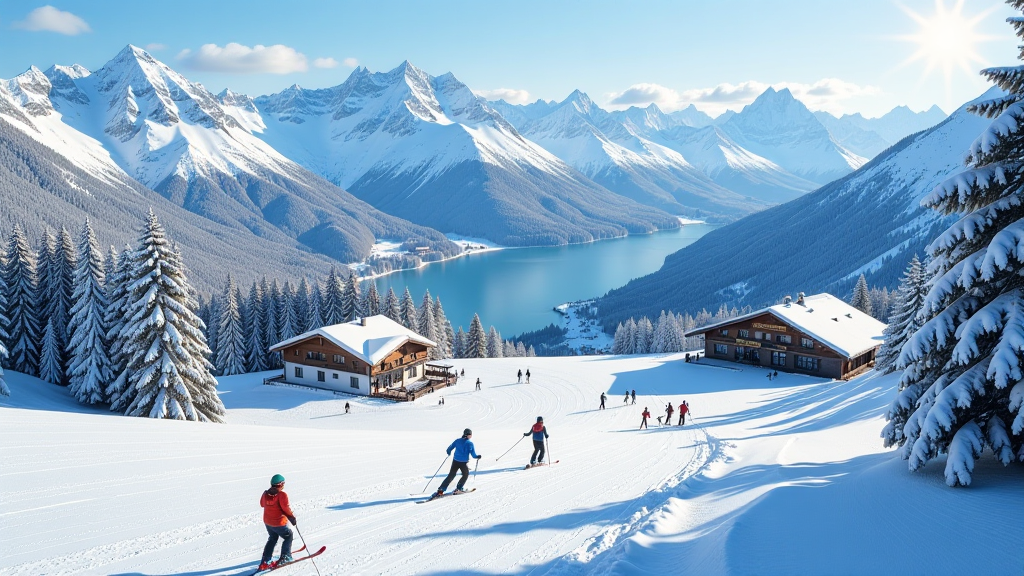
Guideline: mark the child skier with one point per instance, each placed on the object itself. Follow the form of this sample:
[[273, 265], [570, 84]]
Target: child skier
[[646, 415], [276, 516], [460, 463], [540, 432]]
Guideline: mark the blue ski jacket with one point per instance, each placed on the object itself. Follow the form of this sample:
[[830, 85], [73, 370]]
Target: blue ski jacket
[[463, 450]]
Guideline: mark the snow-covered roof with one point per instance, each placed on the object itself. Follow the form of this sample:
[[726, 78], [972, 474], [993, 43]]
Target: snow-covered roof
[[371, 342], [825, 318]]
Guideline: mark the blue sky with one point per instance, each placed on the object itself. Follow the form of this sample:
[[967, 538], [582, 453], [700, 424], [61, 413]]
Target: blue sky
[[838, 56]]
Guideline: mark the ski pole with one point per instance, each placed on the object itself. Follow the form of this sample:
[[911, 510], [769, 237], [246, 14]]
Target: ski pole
[[510, 449], [548, 445], [475, 468], [435, 473], [308, 555]]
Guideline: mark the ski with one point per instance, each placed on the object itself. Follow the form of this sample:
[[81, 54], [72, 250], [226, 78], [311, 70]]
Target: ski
[[435, 497], [528, 466], [295, 561]]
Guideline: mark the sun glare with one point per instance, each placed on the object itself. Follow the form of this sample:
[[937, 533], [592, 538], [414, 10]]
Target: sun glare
[[947, 41]]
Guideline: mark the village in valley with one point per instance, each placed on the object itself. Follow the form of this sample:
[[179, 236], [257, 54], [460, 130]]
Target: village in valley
[[401, 325]]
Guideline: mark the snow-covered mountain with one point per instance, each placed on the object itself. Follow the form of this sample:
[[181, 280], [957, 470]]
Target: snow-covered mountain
[[136, 118], [604, 148], [427, 149], [869, 222], [869, 136], [778, 127]]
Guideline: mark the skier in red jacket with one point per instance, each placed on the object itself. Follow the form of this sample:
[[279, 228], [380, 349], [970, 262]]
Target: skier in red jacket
[[683, 409], [277, 513], [540, 433], [646, 415]]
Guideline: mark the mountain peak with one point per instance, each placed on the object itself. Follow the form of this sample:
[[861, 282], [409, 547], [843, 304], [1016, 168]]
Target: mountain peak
[[580, 101]]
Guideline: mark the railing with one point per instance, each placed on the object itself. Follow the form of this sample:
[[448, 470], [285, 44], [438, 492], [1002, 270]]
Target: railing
[[415, 390]]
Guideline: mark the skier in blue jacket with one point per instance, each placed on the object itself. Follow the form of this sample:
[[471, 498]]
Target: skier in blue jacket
[[460, 463], [540, 432]]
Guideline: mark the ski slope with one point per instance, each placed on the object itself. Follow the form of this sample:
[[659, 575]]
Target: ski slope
[[783, 476]]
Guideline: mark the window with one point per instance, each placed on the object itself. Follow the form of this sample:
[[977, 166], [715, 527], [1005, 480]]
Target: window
[[757, 335], [334, 375], [723, 332], [778, 358], [807, 343], [298, 372], [310, 355], [768, 336], [321, 376], [339, 359], [721, 349], [744, 333], [353, 382], [412, 372], [807, 363], [783, 339]]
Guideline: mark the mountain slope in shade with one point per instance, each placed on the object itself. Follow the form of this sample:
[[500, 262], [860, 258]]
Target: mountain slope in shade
[[427, 149], [780, 128], [869, 222], [599, 145], [137, 117]]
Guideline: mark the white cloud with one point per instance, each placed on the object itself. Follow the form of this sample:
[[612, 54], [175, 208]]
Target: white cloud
[[238, 59], [825, 94], [510, 95], [50, 19], [350, 62], [155, 47], [325, 63]]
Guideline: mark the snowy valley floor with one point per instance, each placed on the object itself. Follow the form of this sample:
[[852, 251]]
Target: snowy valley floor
[[780, 477]]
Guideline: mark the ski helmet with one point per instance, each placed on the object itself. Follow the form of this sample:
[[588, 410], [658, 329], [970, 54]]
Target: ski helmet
[[540, 418], [277, 479], [467, 432]]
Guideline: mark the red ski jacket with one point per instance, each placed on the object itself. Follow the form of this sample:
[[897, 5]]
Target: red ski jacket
[[646, 414], [683, 408], [276, 511]]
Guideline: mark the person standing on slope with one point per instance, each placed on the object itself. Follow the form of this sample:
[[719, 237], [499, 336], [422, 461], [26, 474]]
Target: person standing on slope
[[683, 409], [276, 516], [527, 375], [626, 399], [633, 394], [463, 448], [669, 410], [645, 415], [477, 383], [520, 375], [603, 397], [540, 432]]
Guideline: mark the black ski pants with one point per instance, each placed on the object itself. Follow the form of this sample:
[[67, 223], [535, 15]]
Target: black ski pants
[[283, 532], [456, 467], [538, 448]]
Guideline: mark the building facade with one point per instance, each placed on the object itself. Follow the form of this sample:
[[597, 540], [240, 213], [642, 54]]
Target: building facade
[[358, 357], [818, 335]]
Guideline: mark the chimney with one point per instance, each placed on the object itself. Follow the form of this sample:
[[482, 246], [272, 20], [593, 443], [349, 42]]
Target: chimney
[[800, 298], [362, 321], [786, 300]]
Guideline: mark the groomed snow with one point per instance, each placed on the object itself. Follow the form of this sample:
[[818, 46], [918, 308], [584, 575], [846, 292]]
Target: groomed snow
[[777, 477]]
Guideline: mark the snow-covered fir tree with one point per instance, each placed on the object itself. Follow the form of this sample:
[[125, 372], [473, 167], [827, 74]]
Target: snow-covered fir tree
[[256, 347], [334, 299], [289, 317], [963, 389], [444, 330], [56, 287], [371, 301], [530, 352], [117, 392], [352, 299], [495, 345], [211, 318], [459, 344], [23, 314], [520, 350], [231, 348], [164, 341], [4, 390], [860, 299], [300, 306], [316, 309], [391, 307], [89, 369], [407, 311], [476, 340], [644, 335], [509, 350], [428, 327], [272, 332], [903, 321]]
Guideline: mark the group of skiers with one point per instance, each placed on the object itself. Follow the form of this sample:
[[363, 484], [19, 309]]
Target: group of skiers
[[519, 376], [630, 394], [684, 409]]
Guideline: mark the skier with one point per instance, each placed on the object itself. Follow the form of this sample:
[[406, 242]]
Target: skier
[[775, 374], [460, 463], [626, 399], [683, 409], [633, 394], [477, 383], [276, 516], [527, 375], [602, 400], [669, 410], [347, 408], [463, 373], [540, 432], [520, 375], [646, 415]]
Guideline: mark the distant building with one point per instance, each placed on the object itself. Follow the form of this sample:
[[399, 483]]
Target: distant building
[[819, 335], [358, 357]]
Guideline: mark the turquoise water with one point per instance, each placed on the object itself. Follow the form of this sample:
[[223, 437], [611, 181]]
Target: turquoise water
[[515, 289]]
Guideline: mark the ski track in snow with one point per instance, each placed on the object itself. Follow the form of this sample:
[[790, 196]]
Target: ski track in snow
[[182, 498]]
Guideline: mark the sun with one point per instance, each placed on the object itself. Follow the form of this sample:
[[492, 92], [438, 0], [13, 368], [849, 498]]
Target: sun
[[947, 41]]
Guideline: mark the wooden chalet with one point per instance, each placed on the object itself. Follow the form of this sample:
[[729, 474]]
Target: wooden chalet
[[819, 335], [369, 356]]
